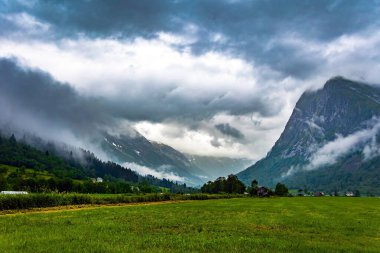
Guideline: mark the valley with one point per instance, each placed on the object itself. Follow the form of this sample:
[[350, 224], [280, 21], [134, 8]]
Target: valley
[[190, 126]]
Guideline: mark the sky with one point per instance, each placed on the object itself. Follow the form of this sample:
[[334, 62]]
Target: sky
[[207, 77]]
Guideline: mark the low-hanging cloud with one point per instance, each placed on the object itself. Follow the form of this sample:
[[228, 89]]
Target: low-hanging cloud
[[144, 170], [364, 140], [33, 99], [372, 149], [331, 151]]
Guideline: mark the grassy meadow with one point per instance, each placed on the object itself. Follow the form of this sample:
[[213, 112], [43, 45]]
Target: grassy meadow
[[327, 224]]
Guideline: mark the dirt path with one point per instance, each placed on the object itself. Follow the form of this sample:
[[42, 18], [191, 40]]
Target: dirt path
[[55, 209]]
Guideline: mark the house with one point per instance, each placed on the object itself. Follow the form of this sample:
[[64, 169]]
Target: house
[[301, 193], [263, 192], [97, 180], [13, 192], [319, 194]]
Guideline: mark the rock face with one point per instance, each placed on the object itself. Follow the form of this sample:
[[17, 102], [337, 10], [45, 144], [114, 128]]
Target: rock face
[[329, 143]]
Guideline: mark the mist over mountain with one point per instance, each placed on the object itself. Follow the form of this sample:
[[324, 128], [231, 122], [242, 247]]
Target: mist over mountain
[[41, 110], [331, 141], [215, 167], [331, 134], [163, 161], [148, 157]]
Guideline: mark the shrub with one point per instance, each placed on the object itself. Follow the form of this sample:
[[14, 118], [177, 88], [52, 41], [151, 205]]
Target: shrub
[[11, 202]]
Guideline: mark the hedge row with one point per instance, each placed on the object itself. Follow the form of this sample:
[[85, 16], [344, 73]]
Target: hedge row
[[12, 202]]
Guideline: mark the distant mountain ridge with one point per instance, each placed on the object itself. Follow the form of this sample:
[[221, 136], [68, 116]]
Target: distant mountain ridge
[[192, 169], [215, 167], [132, 150], [156, 156], [330, 142]]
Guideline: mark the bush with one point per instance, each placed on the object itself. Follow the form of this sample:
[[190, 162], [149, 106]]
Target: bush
[[281, 190], [13, 202]]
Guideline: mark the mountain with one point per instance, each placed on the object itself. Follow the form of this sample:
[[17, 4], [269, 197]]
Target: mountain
[[215, 167], [330, 143], [47, 166], [146, 157]]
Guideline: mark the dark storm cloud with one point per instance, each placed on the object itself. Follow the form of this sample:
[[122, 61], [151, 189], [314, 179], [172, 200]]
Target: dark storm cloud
[[37, 93], [247, 26], [32, 92], [99, 18], [156, 109], [229, 131]]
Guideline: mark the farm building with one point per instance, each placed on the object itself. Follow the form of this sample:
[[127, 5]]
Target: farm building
[[13, 192]]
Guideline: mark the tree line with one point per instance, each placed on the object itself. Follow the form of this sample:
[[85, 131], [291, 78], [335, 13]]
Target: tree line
[[232, 184]]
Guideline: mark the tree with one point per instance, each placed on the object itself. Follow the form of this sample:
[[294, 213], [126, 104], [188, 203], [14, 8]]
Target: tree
[[254, 187], [234, 185], [3, 183], [65, 185], [281, 190], [230, 185], [12, 139], [219, 185], [145, 187]]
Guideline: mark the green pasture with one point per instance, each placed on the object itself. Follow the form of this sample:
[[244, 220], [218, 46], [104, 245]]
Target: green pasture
[[299, 224]]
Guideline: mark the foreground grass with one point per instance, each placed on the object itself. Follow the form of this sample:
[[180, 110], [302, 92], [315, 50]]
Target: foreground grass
[[225, 225]]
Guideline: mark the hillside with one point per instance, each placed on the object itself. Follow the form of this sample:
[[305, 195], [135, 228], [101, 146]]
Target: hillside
[[151, 156], [25, 167], [329, 143]]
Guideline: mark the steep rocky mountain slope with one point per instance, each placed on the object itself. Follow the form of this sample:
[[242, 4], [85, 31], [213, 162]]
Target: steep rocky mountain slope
[[331, 141]]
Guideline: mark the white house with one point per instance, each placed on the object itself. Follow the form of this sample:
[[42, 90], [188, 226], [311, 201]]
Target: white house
[[13, 192]]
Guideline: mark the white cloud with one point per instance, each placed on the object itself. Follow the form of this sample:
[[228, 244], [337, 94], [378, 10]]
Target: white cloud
[[152, 71], [331, 151], [27, 24], [293, 169], [372, 149], [143, 170], [110, 67], [140, 71], [353, 56]]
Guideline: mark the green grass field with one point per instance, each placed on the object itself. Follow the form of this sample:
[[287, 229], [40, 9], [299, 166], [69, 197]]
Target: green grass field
[[227, 225]]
